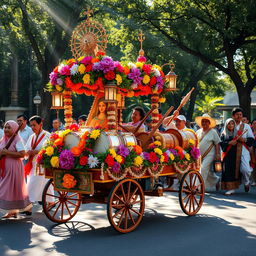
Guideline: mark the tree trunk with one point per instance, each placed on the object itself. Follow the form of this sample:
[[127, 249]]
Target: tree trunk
[[244, 96]]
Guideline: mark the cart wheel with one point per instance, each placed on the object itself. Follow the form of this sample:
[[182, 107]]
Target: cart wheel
[[126, 205], [65, 205], [191, 192]]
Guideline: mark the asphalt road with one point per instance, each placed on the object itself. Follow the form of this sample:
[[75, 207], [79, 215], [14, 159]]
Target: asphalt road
[[224, 226]]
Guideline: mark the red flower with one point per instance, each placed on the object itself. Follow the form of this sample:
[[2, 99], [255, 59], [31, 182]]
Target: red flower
[[109, 160], [74, 127], [54, 136], [88, 68], [110, 75], [152, 157], [83, 160], [39, 158], [146, 68], [152, 81], [100, 53], [165, 157]]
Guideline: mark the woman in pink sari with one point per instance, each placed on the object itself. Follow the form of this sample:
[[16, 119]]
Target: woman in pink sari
[[13, 191]]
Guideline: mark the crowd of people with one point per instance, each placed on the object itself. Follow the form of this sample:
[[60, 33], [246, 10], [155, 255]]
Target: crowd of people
[[21, 187]]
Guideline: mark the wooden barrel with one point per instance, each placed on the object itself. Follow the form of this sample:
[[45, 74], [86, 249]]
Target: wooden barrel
[[127, 137], [183, 136], [167, 140]]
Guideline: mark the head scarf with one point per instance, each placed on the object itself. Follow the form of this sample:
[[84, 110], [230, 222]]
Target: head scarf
[[226, 132], [14, 126]]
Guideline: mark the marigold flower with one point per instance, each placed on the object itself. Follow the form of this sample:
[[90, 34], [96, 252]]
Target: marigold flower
[[162, 100], [192, 142], [95, 134], [171, 156], [112, 152], [162, 158], [158, 151], [58, 142], [138, 160], [137, 149], [76, 151], [55, 162], [86, 79], [119, 79], [130, 144], [49, 151], [187, 156], [157, 143], [146, 79], [81, 68], [119, 158]]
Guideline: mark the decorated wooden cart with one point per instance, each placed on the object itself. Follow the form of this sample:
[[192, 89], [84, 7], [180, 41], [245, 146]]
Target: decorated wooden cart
[[113, 163]]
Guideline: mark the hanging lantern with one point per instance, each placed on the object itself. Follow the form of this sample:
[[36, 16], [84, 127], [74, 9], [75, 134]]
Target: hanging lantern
[[110, 92], [57, 100], [217, 166], [171, 77]]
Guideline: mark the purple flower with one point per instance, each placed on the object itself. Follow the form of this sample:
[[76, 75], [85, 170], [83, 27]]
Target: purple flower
[[86, 60], [160, 82], [145, 156], [116, 167], [53, 78], [59, 81], [195, 152], [123, 151], [66, 159], [135, 75], [173, 151], [105, 65]]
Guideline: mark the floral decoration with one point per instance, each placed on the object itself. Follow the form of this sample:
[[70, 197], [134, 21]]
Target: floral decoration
[[88, 74]]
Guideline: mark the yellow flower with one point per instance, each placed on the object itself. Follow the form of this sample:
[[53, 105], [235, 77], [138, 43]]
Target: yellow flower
[[81, 68], [119, 79], [95, 134], [158, 151], [157, 143], [187, 156], [112, 152], [86, 79], [192, 142], [171, 156], [162, 158], [158, 67], [64, 133], [138, 160], [139, 64], [119, 158], [80, 58], [146, 79], [59, 88], [49, 151], [130, 144], [162, 100], [54, 161]]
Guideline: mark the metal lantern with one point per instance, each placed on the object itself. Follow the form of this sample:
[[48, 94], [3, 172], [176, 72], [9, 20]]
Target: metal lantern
[[217, 166], [57, 100], [110, 92], [171, 77]]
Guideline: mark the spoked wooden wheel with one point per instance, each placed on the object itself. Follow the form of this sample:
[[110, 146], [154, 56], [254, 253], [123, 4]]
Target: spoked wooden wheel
[[126, 204], [191, 192], [59, 206]]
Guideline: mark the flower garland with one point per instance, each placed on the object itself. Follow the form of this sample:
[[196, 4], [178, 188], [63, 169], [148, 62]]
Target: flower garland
[[87, 75], [116, 162]]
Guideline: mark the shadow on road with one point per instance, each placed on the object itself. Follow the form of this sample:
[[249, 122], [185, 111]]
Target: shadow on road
[[161, 234]]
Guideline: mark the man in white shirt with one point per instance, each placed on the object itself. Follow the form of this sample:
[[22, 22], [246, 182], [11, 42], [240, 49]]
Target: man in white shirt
[[25, 131], [180, 123], [244, 142]]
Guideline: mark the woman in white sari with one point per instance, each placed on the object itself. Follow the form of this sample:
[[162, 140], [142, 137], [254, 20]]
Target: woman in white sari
[[210, 149]]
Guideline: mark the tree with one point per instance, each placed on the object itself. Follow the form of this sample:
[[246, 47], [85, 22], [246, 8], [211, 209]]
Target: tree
[[221, 33]]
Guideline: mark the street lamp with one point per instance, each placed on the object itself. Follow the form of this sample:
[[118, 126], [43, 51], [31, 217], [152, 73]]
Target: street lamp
[[110, 92], [37, 101], [171, 77]]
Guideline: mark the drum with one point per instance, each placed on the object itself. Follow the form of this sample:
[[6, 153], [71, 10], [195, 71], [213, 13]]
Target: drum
[[184, 136], [107, 140], [167, 140], [71, 140], [127, 137]]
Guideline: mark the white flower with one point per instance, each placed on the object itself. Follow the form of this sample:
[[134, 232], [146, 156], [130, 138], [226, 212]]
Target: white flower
[[131, 65], [134, 86], [92, 161], [60, 67], [74, 69], [156, 72]]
